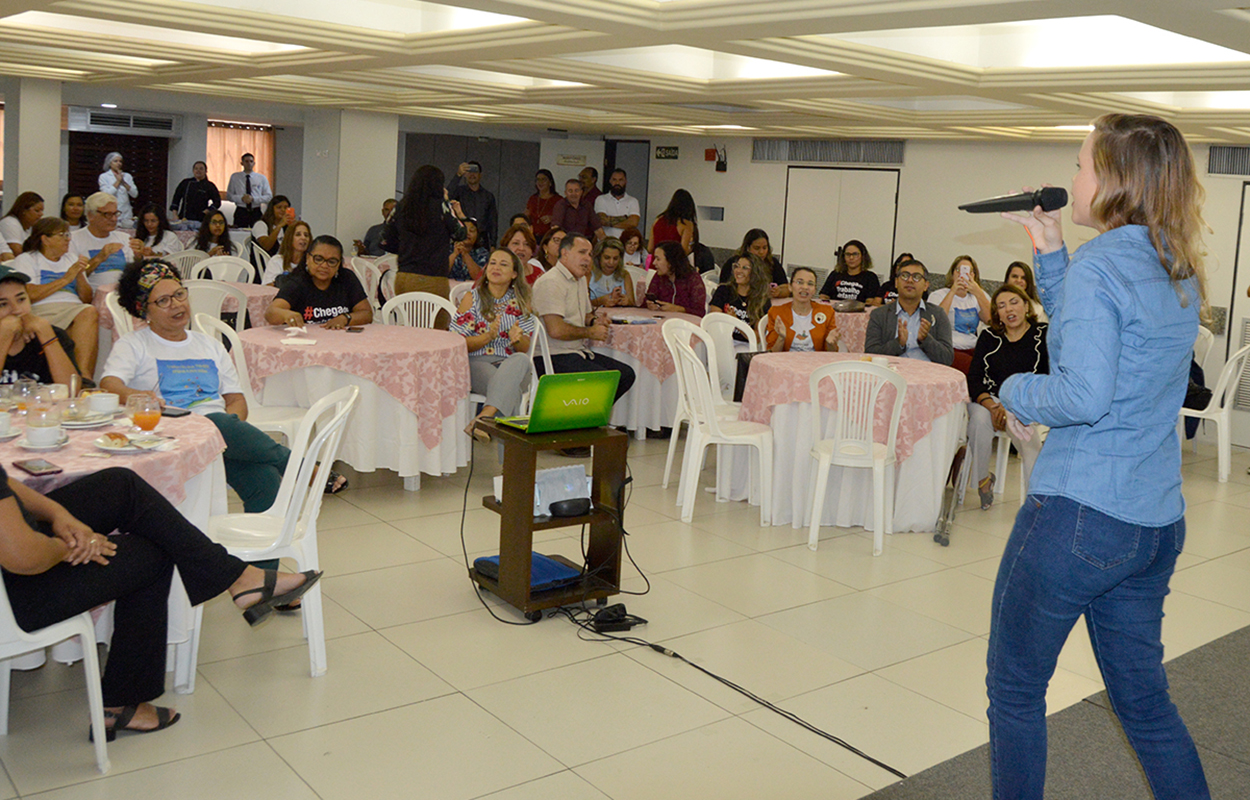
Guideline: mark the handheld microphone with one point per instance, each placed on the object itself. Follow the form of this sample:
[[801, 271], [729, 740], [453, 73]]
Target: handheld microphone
[[1049, 198]]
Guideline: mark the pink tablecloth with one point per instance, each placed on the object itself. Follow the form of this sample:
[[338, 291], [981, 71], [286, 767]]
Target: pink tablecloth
[[644, 342], [425, 370], [199, 443], [852, 328], [258, 299], [779, 378]]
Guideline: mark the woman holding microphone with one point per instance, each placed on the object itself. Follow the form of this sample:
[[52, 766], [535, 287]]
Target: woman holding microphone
[[1103, 523]]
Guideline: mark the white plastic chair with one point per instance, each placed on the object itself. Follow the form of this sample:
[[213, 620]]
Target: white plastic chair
[[390, 261], [761, 330], [707, 429], [540, 347], [721, 327], [710, 285], [277, 419], [416, 309], [185, 260], [458, 292], [226, 268], [1220, 409], [289, 528], [1202, 345], [15, 642], [122, 321], [642, 279], [370, 276], [388, 284], [208, 296], [858, 386], [672, 331]]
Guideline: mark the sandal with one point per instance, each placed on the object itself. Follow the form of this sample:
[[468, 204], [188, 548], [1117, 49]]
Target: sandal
[[121, 721], [336, 483], [986, 489], [269, 602]]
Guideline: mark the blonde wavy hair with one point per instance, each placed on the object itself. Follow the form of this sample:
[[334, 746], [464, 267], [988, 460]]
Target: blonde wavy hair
[[1146, 176]]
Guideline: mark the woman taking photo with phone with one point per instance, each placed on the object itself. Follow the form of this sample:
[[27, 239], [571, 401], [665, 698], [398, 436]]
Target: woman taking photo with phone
[[1100, 531]]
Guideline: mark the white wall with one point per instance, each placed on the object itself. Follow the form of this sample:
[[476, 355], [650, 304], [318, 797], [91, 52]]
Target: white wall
[[321, 169], [551, 150], [367, 169], [288, 164], [187, 149]]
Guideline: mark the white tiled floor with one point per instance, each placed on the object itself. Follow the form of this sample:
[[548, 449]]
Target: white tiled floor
[[427, 696]]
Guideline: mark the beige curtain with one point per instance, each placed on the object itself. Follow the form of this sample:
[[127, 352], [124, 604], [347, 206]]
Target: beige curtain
[[227, 144]]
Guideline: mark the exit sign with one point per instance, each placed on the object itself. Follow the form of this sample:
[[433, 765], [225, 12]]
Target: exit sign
[[666, 152]]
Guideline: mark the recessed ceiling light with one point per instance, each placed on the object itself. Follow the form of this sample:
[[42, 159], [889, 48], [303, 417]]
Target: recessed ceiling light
[[108, 105]]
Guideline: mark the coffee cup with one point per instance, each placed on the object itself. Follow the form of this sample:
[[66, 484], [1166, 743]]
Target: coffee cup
[[103, 403], [881, 361], [41, 436]]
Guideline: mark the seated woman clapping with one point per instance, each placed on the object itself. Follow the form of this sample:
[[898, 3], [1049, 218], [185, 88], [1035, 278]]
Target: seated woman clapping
[[30, 347], [497, 322], [59, 288], [321, 291], [58, 562], [1015, 342], [802, 325]]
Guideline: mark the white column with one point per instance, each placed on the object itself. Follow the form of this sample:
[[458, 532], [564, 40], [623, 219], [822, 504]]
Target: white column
[[184, 151], [350, 159], [32, 139]]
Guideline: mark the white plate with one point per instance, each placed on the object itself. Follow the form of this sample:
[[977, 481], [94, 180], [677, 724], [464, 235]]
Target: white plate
[[128, 448], [12, 434], [94, 421], [25, 445]]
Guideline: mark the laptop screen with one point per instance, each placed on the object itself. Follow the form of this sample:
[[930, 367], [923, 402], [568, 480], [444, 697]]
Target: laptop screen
[[573, 400]]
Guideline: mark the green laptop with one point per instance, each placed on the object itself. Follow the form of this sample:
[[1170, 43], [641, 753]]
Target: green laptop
[[569, 401]]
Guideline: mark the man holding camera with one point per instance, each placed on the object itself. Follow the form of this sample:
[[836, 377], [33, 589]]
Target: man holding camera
[[475, 201]]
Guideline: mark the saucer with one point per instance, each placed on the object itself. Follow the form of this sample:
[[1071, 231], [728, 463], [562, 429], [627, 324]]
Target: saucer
[[25, 445]]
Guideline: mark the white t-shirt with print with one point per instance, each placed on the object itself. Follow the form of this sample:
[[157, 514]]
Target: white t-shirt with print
[[12, 231], [965, 318], [194, 373], [802, 327], [43, 270], [84, 243]]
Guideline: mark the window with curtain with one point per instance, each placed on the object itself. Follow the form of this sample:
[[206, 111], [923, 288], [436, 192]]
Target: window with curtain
[[228, 141]]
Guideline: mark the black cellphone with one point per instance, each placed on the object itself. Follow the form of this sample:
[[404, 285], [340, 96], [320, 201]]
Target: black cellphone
[[37, 466], [174, 411], [652, 297], [355, 329]]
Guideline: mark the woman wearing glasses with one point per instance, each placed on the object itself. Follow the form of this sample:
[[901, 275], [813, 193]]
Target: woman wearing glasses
[[321, 292], [188, 369]]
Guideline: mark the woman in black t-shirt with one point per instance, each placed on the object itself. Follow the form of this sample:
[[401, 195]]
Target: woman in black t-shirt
[[321, 291], [747, 296], [853, 278], [756, 243]]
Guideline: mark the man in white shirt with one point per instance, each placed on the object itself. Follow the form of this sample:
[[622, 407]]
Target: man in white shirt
[[107, 250], [249, 191], [617, 210]]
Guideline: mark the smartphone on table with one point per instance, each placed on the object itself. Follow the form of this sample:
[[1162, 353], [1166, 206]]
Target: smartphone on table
[[37, 466]]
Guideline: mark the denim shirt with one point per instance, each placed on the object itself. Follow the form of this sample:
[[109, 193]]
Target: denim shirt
[[1120, 342]]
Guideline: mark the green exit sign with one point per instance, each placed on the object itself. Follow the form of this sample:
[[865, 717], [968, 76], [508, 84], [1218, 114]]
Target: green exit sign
[[666, 152]]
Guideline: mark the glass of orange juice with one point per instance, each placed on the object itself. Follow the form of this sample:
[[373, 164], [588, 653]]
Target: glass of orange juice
[[144, 411]]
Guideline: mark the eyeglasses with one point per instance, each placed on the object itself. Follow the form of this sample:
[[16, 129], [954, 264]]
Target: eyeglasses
[[327, 262], [164, 302], [911, 277]]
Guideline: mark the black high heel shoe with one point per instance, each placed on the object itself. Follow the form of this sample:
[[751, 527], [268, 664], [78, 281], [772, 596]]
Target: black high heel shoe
[[254, 614]]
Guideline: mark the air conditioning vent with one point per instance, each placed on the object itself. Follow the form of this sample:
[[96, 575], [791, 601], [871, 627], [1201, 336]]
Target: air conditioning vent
[[1228, 160], [139, 123], [1241, 400], [829, 151]]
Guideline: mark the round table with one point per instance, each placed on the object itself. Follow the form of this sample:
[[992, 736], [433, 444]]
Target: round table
[[652, 401], [777, 393], [414, 385], [192, 477]]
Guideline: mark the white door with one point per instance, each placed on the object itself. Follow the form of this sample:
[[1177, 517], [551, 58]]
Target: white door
[[826, 206]]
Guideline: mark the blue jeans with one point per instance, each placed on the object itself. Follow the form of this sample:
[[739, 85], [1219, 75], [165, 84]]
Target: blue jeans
[[1064, 560]]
